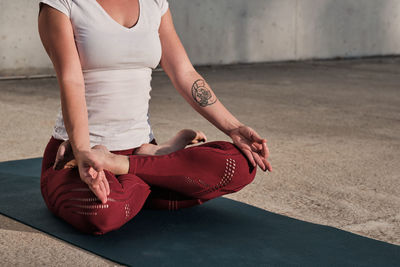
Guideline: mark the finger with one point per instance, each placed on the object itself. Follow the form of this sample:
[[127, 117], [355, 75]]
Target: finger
[[104, 181], [96, 186], [98, 178], [269, 166], [92, 173], [255, 137], [105, 188], [91, 164], [97, 191], [107, 185], [265, 150], [94, 164], [249, 156], [97, 167], [256, 147], [259, 161], [85, 174], [265, 154], [103, 192]]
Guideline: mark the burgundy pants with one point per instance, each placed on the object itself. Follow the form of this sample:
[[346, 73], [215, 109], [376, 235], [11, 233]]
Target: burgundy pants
[[181, 179]]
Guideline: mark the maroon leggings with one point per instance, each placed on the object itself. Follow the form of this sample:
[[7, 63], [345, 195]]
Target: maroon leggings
[[181, 179]]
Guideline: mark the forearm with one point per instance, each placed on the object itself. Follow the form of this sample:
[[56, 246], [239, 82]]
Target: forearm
[[188, 82], [201, 97], [75, 116]]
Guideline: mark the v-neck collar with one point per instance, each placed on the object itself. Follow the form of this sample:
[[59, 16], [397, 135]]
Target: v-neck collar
[[117, 23]]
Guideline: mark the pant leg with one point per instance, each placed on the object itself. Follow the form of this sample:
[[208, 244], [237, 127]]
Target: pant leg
[[201, 172], [71, 199]]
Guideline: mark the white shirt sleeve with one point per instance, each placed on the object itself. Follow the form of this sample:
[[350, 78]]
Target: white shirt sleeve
[[61, 5], [163, 5]]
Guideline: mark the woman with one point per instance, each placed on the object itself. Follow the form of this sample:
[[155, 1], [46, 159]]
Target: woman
[[103, 53]]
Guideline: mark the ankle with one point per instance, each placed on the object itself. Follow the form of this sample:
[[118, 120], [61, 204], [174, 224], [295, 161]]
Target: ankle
[[187, 135], [118, 164]]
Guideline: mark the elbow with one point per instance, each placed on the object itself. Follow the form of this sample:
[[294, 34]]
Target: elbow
[[178, 72], [184, 77], [70, 80]]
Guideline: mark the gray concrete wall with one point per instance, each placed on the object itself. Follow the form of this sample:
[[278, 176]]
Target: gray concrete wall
[[232, 31]]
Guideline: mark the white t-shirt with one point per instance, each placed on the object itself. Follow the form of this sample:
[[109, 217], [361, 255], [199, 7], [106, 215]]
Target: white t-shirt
[[117, 64]]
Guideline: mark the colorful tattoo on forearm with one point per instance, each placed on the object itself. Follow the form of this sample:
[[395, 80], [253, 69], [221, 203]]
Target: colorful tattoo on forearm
[[201, 94]]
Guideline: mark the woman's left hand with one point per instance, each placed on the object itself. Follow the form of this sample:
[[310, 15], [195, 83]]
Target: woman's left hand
[[252, 145]]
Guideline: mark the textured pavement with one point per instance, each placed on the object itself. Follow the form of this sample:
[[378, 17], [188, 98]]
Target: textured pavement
[[332, 128]]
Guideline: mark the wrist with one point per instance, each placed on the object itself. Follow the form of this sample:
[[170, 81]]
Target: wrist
[[233, 127], [80, 147], [79, 151]]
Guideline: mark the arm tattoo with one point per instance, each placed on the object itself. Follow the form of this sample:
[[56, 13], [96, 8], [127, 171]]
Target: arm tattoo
[[201, 94]]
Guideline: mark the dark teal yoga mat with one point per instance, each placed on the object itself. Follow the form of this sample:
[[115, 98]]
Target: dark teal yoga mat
[[220, 232]]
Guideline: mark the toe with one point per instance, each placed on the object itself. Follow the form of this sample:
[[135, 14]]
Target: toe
[[201, 137]]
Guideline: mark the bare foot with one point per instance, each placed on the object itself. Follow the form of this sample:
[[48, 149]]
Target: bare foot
[[179, 141], [117, 164], [200, 137], [64, 155], [71, 164], [147, 149]]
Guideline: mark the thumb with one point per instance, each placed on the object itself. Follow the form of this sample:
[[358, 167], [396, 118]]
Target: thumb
[[92, 161], [255, 137], [95, 168], [91, 173]]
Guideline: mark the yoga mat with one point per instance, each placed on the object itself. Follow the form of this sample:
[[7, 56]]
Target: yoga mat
[[220, 232]]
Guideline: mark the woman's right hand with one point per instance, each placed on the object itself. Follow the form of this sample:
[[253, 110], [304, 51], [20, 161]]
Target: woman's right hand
[[57, 35], [90, 164]]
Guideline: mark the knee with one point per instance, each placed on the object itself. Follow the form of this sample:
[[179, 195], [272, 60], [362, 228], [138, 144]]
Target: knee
[[236, 174], [239, 171], [94, 218], [243, 173], [86, 213], [105, 218], [72, 200]]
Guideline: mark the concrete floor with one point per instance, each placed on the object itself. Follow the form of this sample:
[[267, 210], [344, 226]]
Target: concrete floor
[[333, 129]]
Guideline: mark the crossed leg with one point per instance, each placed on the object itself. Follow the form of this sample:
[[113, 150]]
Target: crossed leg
[[179, 179], [185, 137], [68, 197]]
